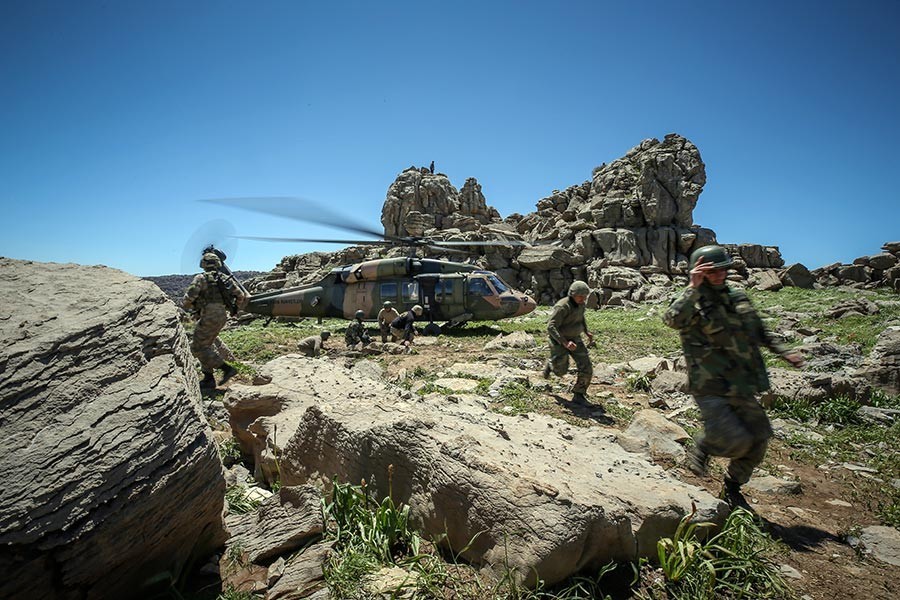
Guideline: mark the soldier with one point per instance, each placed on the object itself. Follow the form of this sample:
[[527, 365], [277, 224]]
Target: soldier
[[565, 328], [721, 334], [385, 316], [210, 297], [313, 345], [356, 332], [402, 327]]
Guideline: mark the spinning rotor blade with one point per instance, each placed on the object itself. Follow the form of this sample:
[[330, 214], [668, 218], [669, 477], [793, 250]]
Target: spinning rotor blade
[[444, 250], [218, 233], [286, 239], [299, 209], [473, 243]]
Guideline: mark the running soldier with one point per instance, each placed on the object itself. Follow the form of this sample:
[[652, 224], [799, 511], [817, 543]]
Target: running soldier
[[565, 328], [721, 334], [210, 297]]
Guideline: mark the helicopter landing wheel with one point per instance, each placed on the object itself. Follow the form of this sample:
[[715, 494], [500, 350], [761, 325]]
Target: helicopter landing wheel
[[432, 329]]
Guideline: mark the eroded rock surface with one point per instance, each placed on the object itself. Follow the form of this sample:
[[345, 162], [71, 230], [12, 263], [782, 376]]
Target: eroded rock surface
[[551, 498], [112, 477]]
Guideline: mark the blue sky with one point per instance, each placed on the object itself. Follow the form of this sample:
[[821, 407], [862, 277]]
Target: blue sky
[[116, 117]]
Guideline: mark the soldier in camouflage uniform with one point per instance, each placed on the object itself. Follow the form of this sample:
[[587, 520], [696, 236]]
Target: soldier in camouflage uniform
[[565, 328], [385, 317], [721, 334], [311, 346], [356, 332], [210, 297]]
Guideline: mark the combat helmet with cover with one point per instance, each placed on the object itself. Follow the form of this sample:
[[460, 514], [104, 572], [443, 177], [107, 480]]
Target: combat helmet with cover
[[579, 288], [715, 255], [210, 261], [360, 315], [324, 335]]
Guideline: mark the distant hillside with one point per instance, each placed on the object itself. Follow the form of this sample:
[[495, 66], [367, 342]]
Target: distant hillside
[[174, 285]]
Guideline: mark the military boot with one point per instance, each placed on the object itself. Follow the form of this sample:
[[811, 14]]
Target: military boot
[[546, 372], [208, 382], [731, 494], [227, 373], [698, 461], [579, 398]]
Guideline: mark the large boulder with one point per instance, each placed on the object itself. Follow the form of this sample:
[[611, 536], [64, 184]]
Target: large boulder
[[548, 498], [882, 367], [112, 478]]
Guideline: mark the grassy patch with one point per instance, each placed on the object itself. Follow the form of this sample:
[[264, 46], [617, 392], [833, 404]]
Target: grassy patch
[[521, 398], [238, 500], [738, 562], [255, 343]]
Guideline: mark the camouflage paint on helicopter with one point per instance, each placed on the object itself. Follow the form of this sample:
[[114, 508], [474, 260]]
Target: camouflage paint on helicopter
[[448, 291]]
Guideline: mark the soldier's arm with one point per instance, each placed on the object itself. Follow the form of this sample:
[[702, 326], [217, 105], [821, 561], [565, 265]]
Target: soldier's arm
[[682, 311], [193, 292], [556, 317]]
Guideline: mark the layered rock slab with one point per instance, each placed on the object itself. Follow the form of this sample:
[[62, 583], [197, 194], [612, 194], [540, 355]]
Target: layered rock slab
[[532, 491], [112, 478]]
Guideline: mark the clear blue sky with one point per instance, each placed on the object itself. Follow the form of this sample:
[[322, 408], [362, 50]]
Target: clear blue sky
[[115, 117]]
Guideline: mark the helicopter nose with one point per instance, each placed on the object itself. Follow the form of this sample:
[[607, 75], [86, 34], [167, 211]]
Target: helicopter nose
[[527, 305]]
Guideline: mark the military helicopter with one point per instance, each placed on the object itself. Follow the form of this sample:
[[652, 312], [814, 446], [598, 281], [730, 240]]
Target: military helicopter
[[449, 292]]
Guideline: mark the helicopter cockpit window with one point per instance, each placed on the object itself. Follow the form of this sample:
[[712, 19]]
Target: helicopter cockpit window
[[411, 291], [389, 291], [478, 287], [498, 284]]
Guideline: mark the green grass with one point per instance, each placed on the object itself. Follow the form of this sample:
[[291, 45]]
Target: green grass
[[238, 500], [738, 562], [257, 344], [521, 399]]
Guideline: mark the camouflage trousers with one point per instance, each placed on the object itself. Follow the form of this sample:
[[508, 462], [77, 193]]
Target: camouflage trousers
[[211, 322], [559, 363], [736, 428], [385, 332]]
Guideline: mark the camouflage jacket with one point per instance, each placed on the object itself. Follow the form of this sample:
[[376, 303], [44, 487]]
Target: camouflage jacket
[[356, 333], [721, 334], [566, 321], [205, 290]]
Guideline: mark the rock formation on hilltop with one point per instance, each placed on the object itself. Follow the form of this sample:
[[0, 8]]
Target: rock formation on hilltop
[[877, 270], [112, 479], [628, 231]]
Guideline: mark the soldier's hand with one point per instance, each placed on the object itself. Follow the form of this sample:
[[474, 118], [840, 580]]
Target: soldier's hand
[[698, 273], [570, 346], [795, 358]]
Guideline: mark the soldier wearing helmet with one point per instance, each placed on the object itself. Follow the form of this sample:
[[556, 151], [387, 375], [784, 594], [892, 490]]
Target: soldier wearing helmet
[[565, 327], [313, 345], [356, 335], [210, 297], [721, 334], [385, 316], [403, 328]]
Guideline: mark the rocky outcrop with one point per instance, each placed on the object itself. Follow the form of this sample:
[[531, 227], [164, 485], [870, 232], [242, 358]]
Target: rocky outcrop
[[635, 214], [503, 488], [112, 478], [882, 367], [877, 270]]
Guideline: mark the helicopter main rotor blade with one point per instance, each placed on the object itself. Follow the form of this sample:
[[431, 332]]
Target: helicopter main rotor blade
[[299, 209], [477, 243], [443, 249], [287, 239]]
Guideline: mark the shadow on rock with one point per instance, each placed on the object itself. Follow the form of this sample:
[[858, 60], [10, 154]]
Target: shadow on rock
[[589, 410]]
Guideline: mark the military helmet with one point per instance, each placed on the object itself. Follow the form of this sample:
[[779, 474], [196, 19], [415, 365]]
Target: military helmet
[[210, 261], [579, 288], [325, 335], [360, 314], [417, 309], [717, 255], [387, 304]]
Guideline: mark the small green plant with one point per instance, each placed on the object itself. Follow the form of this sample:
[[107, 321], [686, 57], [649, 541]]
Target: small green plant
[[838, 410], [738, 562], [639, 382], [229, 451], [232, 594], [521, 398], [239, 502]]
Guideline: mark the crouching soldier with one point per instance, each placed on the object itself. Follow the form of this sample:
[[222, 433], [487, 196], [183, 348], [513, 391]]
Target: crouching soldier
[[313, 345], [721, 334], [403, 327], [356, 332], [210, 298], [565, 328]]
